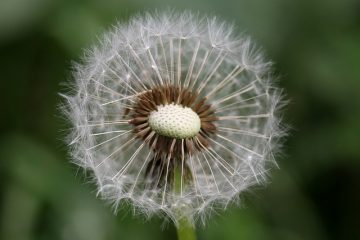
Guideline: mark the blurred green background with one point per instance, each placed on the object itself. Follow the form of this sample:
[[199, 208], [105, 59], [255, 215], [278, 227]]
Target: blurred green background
[[316, 193]]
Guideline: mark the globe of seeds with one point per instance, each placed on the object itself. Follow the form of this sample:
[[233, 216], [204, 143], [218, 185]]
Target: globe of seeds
[[174, 113]]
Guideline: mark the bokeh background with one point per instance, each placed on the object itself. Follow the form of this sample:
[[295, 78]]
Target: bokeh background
[[314, 195]]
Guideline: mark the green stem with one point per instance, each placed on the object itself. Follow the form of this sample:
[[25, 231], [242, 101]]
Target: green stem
[[185, 231]]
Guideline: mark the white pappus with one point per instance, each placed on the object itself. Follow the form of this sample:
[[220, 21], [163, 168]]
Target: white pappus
[[175, 113]]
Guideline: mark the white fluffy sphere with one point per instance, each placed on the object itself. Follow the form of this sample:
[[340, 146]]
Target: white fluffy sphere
[[154, 63]]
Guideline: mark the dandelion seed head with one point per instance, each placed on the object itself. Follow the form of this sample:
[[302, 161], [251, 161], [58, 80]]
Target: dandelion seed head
[[170, 92]]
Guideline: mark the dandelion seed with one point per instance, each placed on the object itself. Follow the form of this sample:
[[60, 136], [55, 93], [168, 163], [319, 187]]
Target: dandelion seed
[[174, 94]]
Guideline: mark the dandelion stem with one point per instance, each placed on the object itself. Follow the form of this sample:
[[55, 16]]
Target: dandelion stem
[[185, 229]]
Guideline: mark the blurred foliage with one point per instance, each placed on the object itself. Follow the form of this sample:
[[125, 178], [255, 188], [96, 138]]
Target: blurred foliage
[[316, 194]]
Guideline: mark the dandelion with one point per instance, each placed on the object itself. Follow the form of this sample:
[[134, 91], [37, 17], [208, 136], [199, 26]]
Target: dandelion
[[174, 113]]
